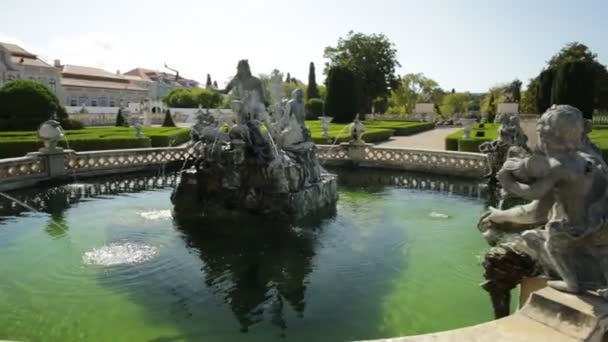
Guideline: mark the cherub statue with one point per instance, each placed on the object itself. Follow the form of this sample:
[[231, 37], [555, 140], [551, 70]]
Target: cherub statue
[[566, 180], [356, 131]]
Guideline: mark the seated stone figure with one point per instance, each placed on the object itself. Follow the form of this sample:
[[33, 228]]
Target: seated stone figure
[[566, 180]]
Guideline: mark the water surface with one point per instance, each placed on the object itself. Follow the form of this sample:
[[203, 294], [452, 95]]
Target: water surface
[[107, 261]]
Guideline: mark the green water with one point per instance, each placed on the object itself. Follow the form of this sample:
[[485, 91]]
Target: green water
[[380, 266]]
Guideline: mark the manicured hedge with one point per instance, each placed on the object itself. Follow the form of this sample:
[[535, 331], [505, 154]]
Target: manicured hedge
[[19, 143], [371, 135], [479, 135], [401, 128]]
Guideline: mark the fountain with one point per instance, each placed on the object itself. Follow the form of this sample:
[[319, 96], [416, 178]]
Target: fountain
[[263, 164], [561, 234]]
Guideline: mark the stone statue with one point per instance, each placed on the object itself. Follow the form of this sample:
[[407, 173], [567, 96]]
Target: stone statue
[[563, 230], [50, 133], [512, 141], [249, 89], [356, 131], [264, 165]]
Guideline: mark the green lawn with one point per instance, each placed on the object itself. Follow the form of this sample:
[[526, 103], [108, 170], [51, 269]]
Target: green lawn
[[16, 144], [479, 135], [375, 131], [455, 142]]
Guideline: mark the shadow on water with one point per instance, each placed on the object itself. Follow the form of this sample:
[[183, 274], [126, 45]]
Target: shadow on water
[[258, 267]]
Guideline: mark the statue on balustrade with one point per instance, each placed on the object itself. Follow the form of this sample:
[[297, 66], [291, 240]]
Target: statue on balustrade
[[562, 233]]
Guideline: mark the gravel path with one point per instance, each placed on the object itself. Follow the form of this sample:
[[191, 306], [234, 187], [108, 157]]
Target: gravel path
[[430, 140]]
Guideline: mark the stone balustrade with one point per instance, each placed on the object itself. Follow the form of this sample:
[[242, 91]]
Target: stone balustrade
[[115, 161], [24, 170], [464, 164], [36, 167]]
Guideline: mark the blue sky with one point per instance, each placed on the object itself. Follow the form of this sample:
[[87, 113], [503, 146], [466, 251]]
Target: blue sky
[[462, 44]]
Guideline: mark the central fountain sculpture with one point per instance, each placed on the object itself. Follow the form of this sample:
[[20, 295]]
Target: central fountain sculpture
[[562, 233], [264, 164]]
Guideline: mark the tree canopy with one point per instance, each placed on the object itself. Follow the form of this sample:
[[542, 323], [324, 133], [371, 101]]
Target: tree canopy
[[25, 104], [413, 88], [455, 103], [192, 98], [372, 59]]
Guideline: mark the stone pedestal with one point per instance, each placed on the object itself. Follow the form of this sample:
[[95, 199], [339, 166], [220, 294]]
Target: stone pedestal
[[54, 159]]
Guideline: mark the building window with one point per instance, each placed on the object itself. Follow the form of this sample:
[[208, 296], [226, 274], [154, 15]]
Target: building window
[[83, 101], [10, 78], [73, 102], [93, 103], [52, 84], [42, 80], [112, 103], [103, 101]]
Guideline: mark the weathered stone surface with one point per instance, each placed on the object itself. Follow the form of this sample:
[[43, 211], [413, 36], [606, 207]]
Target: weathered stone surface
[[265, 164], [549, 315], [563, 228]]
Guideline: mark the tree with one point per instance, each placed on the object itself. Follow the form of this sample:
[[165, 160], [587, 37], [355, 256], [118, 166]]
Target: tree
[[514, 90], [314, 108], [341, 94], [491, 100], [527, 104], [168, 122], [120, 119], [192, 98], [455, 103], [288, 78], [572, 52], [312, 92], [544, 87], [215, 85], [372, 59], [380, 105], [25, 104], [208, 84], [411, 89], [574, 84]]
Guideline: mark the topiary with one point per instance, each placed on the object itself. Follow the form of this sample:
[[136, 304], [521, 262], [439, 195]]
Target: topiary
[[342, 98], [168, 119], [314, 108], [120, 119], [25, 104]]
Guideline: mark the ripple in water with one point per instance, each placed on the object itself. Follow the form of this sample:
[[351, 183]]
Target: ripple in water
[[119, 254], [156, 214]]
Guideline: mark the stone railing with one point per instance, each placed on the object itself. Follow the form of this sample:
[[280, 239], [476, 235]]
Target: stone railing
[[24, 170], [113, 161], [36, 167], [464, 164]]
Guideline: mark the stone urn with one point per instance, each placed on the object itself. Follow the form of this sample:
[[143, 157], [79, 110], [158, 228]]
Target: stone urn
[[467, 125], [325, 121], [50, 133]]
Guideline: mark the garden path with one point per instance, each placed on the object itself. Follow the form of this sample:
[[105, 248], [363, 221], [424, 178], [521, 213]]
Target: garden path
[[430, 140]]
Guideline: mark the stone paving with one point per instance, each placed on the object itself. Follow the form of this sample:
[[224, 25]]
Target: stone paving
[[430, 140]]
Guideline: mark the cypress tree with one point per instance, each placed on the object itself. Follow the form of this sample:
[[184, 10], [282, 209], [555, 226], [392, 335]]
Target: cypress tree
[[312, 92], [543, 90], [208, 83], [341, 94], [215, 84], [168, 119], [288, 78], [574, 84], [120, 119]]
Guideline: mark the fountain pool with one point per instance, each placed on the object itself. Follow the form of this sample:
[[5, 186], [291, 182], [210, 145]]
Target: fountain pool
[[107, 261]]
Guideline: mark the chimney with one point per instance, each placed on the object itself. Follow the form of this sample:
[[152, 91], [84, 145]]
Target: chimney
[[57, 63]]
